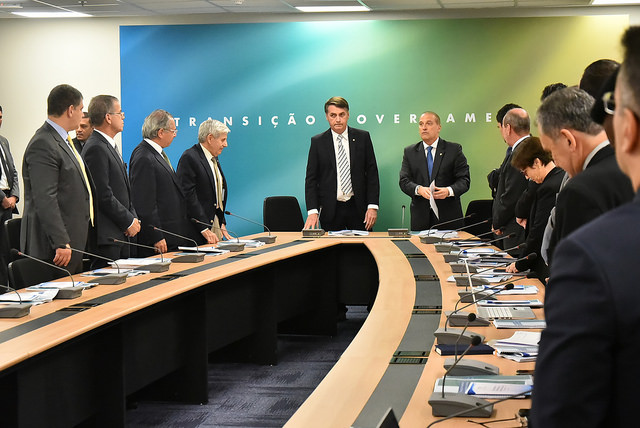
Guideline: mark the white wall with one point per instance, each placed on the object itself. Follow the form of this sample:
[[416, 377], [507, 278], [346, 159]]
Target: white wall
[[37, 55]]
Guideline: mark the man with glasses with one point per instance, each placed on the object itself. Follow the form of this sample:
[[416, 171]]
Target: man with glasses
[[157, 195], [580, 147], [115, 215]]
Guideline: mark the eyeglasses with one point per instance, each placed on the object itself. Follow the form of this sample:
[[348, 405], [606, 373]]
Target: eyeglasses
[[609, 102], [121, 114], [175, 131]]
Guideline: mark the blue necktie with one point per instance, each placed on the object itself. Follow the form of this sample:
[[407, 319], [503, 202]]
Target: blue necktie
[[429, 160]]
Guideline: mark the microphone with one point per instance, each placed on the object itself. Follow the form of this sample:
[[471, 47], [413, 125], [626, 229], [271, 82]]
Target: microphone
[[470, 279], [442, 241], [111, 279], [428, 239], [469, 297], [196, 257], [314, 233], [161, 266], [446, 404], [63, 293], [464, 267], [443, 247], [449, 257], [399, 232], [231, 246], [14, 310], [469, 367], [269, 239], [461, 411]]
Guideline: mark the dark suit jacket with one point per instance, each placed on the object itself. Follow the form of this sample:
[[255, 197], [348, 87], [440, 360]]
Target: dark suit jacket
[[158, 200], [321, 184], [56, 199], [511, 185], [12, 179], [199, 186], [113, 192], [450, 168], [587, 368], [79, 145], [543, 201], [596, 190]]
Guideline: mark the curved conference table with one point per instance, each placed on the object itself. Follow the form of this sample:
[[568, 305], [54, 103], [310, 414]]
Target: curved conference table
[[76, 361]]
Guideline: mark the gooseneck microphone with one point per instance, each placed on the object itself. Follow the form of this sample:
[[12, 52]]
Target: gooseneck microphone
[[18, 310], [446, 404], [428, 239], [466, 297], [196, 257], [442, 240], [443, 247], [161, 266], [471, 278], [399, 232], [63, 293], [111, 279], [269, 239], [228, 245]]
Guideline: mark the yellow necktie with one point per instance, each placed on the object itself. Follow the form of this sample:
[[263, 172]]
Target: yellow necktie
[[86, 178], [218, 179], [166, 158]]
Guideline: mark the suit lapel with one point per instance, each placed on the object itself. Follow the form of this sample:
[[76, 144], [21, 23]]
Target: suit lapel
[[8, 164], [166, 166], [64, 145], [207, 167], [118, 160]]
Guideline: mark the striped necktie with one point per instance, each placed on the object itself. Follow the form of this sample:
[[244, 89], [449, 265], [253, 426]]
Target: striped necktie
[[343, 168], [219, 196], [86, 178]]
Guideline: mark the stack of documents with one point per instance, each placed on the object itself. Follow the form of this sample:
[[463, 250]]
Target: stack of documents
[[491, 278], [517, 289], [57, 285], [250, 243], [349, 233], [209, 249], [442, 234], [489, 386], [132, 263], [521, 347], [111, 271], [534, 303], [35, 297], [541, 324]]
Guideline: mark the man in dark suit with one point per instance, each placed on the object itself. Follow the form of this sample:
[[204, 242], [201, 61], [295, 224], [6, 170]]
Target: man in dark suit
[[434, 160], [494, 175], [342, 189], [202, 180], [115, 216], [511, 183], [58, 209], [10, 187], [587, 370], [580, 147], [156, 191], [83, 132]]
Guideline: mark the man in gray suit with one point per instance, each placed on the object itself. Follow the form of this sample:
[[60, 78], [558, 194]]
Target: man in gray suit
[[10, 194], [58, 195]]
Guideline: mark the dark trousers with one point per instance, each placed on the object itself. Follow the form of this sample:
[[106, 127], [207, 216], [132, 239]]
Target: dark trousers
[[346, 217], [4, 246]]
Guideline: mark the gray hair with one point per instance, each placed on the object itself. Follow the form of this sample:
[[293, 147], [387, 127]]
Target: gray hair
[[213, 127], [157, 120], [568, 108]]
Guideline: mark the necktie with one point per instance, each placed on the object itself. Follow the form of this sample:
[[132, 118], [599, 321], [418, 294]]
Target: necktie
[[5, 168], [219, 196], [509, 150], [343, 168], [166, 158], [429, 160], [86, 178]]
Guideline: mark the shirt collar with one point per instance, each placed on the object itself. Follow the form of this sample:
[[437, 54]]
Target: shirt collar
[[155, 145], [590, 156], [59, 129], [518, 142], [106, 137], [207, 153], [434, 145], [345, 135]]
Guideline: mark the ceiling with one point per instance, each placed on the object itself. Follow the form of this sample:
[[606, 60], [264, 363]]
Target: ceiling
[[123, 8]]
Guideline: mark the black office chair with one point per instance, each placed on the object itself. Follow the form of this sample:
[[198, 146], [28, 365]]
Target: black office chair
[[12, 232], [482, 209], [26, 272], [282, 214]]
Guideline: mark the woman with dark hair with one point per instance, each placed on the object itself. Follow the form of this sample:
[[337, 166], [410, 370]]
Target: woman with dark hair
[[537, 165]]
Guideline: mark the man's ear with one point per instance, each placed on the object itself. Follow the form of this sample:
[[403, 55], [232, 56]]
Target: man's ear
[[567, 137], [627, 141]]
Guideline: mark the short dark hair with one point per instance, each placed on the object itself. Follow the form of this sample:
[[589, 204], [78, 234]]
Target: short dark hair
[[527, 151], [60, 98], [336, 101], [99, 106], [630, 71], [0, 109], [550, 89], [568, 108], [503, 110], [595, 75]]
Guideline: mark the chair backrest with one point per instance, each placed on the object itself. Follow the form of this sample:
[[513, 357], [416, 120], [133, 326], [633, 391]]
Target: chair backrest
[[282, 214], [12, 232], [482, 209], [26, 272]]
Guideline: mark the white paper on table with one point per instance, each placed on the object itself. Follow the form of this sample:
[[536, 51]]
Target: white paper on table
[[432, 200], [497, 390]]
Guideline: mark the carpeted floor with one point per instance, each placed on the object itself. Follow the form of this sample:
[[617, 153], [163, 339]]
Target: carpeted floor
[[249, 395]]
